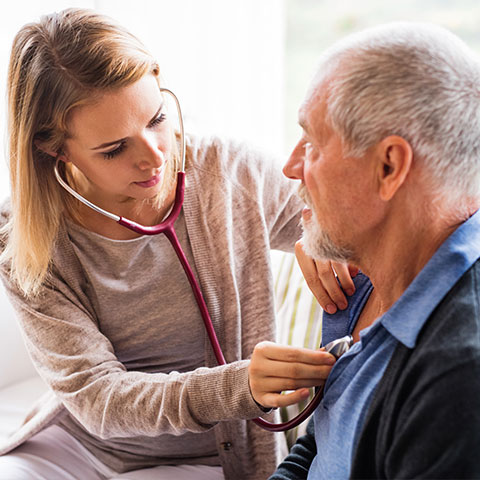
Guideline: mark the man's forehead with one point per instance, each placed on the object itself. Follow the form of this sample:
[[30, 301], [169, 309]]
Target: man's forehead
[[302, 116], [313, 107]]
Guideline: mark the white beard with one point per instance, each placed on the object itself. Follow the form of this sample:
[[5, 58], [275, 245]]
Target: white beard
[[316, 242], [318, 245]]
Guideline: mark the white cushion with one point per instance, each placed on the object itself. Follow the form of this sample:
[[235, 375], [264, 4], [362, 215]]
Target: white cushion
[[16, 401], [15, 364]]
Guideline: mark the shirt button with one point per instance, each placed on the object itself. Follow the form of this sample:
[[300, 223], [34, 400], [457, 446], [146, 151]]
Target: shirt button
[[226, 446]]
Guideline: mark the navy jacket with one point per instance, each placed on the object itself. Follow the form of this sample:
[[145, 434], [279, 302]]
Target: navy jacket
[[424, 419]]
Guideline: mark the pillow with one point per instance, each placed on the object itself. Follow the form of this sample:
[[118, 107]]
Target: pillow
[[299, 321]]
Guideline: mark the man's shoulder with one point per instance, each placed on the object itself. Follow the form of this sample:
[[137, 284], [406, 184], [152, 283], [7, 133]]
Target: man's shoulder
[[447, 351], [429, 393], [446, 356], [455, 323]]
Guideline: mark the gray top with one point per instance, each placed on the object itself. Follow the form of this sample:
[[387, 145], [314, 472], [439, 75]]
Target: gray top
[[237, 206], [145, 280]]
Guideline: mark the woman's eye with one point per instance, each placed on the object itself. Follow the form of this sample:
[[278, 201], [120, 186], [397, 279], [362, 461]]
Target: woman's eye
[[115, 152], [158, 120]]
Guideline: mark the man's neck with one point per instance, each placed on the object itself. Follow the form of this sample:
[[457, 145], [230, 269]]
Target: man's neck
[[393, 262]]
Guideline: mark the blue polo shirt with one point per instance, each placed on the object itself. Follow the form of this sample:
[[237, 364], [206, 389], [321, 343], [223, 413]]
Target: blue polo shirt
[[352, 381]]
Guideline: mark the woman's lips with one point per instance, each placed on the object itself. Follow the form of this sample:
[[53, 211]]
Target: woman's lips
[[151, 182]]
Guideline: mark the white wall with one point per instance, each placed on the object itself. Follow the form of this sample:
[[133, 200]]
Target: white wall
[[223, 58]]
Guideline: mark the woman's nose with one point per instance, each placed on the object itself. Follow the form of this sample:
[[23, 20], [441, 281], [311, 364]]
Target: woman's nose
[[294, 166], [152, 155]]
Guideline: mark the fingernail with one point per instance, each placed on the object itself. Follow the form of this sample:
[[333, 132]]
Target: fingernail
[[342, 305], [350, 292], [331, 308]]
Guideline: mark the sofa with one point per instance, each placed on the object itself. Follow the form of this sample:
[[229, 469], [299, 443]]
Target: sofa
[[20, 385], [299, 320]]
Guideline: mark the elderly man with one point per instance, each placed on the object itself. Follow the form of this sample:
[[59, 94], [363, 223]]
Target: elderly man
[[389, 164]]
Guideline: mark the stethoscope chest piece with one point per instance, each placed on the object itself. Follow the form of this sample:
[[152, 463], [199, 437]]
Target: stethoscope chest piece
[[339, 346]]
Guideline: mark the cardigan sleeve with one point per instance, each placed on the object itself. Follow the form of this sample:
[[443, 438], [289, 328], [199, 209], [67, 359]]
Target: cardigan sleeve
[[281, 205], [297, 463], [241, 172], [79, 364]]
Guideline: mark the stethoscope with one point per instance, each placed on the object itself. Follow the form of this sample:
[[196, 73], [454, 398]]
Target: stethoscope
[[167, 228]]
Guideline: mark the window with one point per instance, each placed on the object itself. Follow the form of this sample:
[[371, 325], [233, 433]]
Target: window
[[313, 25], [241, 68]]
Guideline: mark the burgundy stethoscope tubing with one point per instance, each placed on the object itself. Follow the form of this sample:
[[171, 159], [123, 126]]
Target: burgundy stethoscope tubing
[[167, 228]]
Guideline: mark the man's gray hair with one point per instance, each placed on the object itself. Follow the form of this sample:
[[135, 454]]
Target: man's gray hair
[[417, 81]]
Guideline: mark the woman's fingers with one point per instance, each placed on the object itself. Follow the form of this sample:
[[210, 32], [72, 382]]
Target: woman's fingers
[[326, 280], [276, 368], [287, 398], [345, 274], [314, 282]]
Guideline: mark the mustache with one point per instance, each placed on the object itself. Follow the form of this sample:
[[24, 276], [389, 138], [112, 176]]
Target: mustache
[[304, 195]]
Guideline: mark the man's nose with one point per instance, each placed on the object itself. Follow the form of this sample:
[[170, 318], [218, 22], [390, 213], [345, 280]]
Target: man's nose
[[294, 166]]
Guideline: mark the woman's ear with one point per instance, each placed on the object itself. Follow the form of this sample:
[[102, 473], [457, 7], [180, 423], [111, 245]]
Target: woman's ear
[[395, 161], [44, 147]]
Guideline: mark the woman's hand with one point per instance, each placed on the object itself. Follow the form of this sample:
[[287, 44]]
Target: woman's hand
[[276, 368], [321, 279]]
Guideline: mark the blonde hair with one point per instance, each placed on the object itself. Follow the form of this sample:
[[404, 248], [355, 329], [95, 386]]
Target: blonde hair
[[56, 64]]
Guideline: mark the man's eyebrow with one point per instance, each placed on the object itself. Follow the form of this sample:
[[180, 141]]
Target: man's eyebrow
[[120, 140], [303, 124], [302, 118]]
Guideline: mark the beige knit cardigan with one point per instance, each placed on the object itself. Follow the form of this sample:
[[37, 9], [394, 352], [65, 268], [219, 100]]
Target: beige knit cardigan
[[237, 207]]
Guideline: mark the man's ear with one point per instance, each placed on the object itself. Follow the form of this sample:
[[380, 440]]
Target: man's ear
[[395, 157]]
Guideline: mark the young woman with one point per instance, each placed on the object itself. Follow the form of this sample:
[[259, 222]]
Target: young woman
[[107, 314]]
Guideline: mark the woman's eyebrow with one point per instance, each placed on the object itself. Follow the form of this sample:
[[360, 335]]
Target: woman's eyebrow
[[156, 113], [108, 144], [120, 140]]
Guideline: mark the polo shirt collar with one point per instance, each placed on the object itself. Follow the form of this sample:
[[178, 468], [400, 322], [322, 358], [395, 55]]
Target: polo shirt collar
[[456, 255]]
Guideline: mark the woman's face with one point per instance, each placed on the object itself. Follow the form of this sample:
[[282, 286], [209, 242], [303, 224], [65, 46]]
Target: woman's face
[[122, 145]]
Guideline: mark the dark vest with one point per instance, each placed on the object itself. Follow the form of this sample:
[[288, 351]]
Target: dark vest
[[424, 419]]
